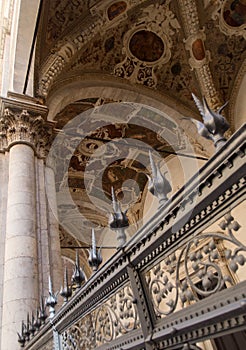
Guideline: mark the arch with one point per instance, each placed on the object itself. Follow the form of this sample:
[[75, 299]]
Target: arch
[[113, 88]]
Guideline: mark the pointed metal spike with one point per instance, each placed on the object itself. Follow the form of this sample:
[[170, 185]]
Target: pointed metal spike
[[159, 186], [152, 164], [198, 104], [214, 124], [95, 258], [115, 202], [51, 301], [93, 240], [78, 275], [66, 290], [77, 259]]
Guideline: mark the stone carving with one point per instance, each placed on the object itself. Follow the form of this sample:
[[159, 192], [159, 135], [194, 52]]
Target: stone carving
[[195, 44], [6, 26], [195, 271], [199, 56], [232, 17], [110, 320], [62, 15], [228, 56], [62, 54], [21, 126], [65, 49], [148, 45]]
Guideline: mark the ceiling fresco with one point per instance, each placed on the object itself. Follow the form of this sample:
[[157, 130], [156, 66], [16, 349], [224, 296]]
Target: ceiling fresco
[[168, 48], [96, 152]]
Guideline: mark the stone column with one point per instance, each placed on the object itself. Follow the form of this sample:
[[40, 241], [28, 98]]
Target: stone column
[[3, 201], [22, 127], [54, 241], [20, 293]]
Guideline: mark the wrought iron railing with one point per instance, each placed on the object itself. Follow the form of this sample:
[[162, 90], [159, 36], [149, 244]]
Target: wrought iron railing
[[175, 283]]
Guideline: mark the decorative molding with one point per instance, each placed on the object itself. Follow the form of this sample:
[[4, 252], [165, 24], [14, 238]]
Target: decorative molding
[[111, 12], [66, 49], [156, 25], [63, 53], [196, 45], [200, 264], [200, 57], [216, 317], [5, 27], [114, 318], [190, 16], [232, 20], [24, 122]]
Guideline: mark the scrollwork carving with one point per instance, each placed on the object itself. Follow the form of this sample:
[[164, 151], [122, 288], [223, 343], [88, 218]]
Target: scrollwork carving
[[110, 320], [195, 271], [231, 16], [142, 60]]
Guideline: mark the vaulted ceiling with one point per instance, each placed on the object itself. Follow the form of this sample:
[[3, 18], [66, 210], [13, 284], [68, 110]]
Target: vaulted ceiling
[[159, 48]]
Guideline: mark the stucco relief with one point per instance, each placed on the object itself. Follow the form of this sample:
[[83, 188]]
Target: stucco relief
[[232, 16], [148, 45], [198, 55]]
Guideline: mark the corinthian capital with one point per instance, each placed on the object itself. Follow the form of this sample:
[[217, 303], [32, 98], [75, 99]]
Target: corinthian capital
[[22, 121]]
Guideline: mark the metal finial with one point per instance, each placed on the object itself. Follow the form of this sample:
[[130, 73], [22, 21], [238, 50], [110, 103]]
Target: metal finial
[[32, 325], [42, 311], [26, 328], [66, 290], [21, 337], [51, 301], [118, 221], [37, 322], [214, 124], [95, 257], [159, 186], [78, 275]]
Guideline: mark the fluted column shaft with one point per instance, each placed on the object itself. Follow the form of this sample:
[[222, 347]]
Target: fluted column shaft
[[20, 271]]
